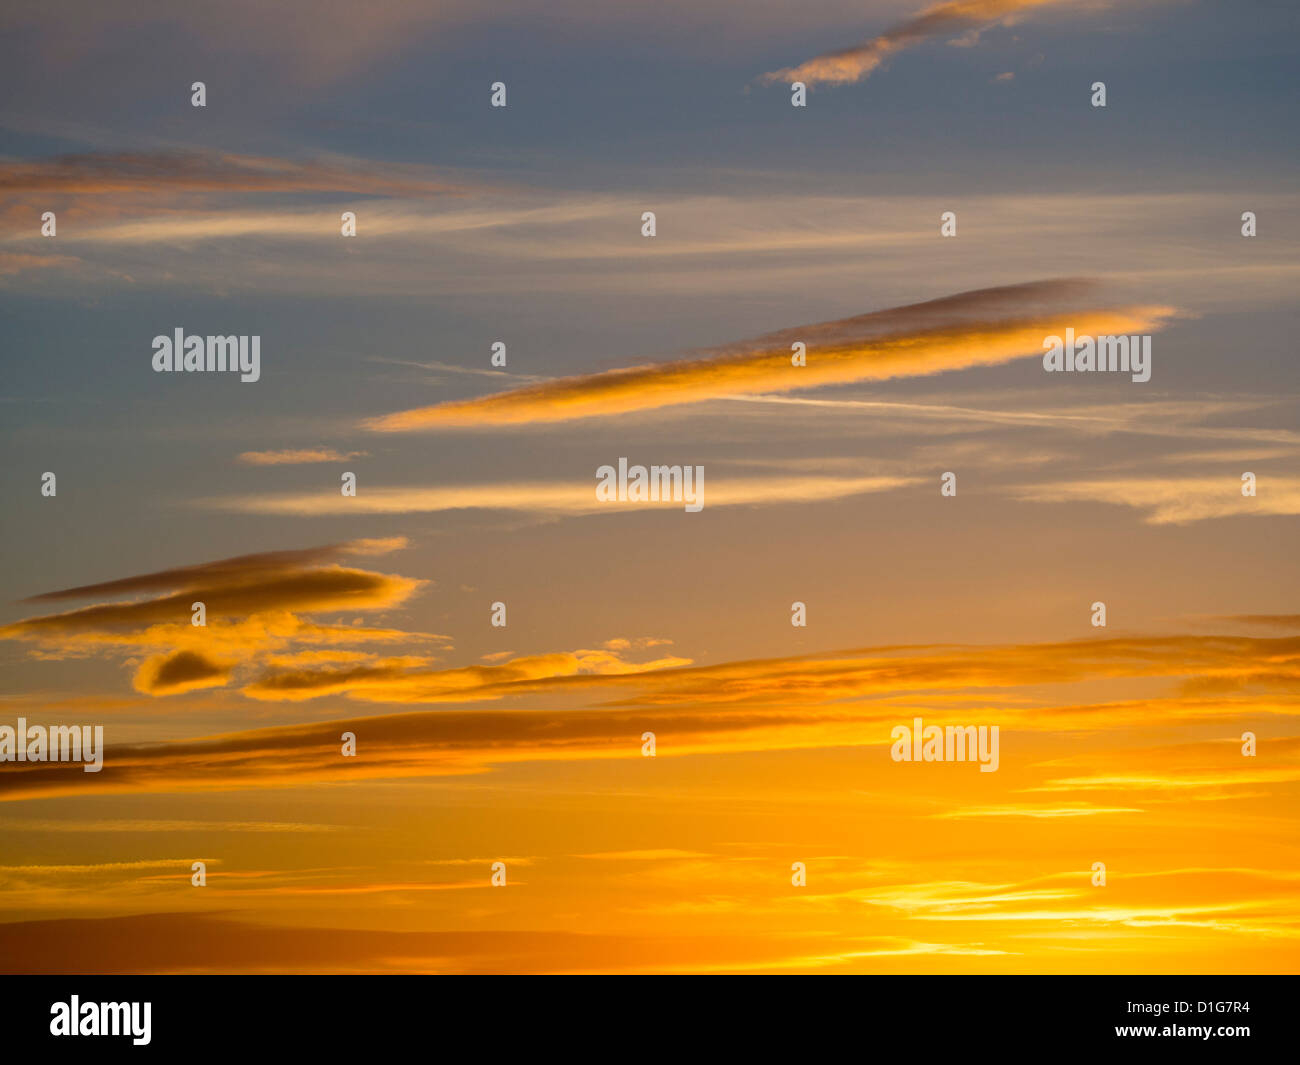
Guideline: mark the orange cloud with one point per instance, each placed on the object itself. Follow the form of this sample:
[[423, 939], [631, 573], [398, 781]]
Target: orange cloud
[[180, 672], [253, 606], [980, 328], [849, 65]]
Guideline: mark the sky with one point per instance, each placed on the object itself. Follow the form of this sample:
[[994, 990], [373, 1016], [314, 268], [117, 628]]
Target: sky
[[773, 829]]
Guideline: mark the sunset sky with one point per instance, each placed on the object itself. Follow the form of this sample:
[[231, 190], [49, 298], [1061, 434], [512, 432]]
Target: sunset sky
[[522, 744]]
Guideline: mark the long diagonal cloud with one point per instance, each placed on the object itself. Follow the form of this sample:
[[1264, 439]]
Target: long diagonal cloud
[[981, 328]]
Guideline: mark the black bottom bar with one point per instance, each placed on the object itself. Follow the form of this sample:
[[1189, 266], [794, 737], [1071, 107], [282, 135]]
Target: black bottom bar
[[1245, 1016]]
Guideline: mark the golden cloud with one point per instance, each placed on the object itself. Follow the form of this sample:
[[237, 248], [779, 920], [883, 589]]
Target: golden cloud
[[253, 606], [180, 672], [981, 328]]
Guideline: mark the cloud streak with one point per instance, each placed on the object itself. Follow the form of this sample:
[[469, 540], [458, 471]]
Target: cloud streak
[[986, 327], [574, 497], [109, 173], [849, 65], [1177, 500], [119, 195], [296, 456]]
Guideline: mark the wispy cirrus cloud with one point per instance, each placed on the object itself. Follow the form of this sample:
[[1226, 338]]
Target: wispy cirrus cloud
[[1037, 812], [849, 65], [573, 497], [178, 195], [1258, 904], [151, 173], [1271, 621], [981, 328], [1176, 500], [296, 456], [543, 245], [405, 680]]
